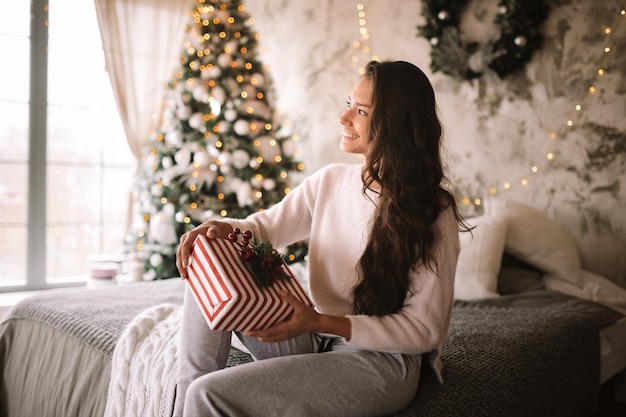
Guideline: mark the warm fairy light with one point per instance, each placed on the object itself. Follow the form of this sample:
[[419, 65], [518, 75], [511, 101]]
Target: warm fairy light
[[606, 30], [163, 200], [194, 205], [187, 220], [220, 196], [477, 202]]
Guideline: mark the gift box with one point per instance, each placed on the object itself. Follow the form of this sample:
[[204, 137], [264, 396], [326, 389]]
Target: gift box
[[227, 292]]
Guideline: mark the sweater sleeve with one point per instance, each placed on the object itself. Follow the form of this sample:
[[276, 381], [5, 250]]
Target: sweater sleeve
[[289, 220], [422, 324]]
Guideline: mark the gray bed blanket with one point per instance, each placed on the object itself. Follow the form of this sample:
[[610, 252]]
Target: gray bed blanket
[[513, 362], [499, 361]]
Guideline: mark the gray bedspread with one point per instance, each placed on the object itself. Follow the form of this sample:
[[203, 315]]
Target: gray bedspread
[[499, 361], [513, 362]]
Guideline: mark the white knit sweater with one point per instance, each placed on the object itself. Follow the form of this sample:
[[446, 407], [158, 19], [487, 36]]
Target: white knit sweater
[[329, 208]]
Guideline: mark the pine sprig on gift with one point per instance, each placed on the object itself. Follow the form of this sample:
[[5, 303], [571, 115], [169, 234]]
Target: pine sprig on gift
[[263, 261]]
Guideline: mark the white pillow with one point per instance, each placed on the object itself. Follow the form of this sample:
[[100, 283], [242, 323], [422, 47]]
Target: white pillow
[[480, 258], [537, 239], [596, 288]]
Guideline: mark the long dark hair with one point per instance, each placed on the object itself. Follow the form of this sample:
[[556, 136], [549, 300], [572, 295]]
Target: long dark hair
[[403, 165]]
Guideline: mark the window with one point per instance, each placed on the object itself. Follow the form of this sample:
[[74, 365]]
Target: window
[[65, 167]]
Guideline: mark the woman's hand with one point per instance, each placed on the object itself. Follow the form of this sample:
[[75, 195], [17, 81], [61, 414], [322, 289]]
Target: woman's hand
[[212, 229], [303, 320]]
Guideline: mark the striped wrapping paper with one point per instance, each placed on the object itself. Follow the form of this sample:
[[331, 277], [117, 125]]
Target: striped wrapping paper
[[227, 293]]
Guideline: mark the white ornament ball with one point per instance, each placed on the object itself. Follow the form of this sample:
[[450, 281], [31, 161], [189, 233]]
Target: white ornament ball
[[520, 41], [223, 126], [218, 94], [183, 113], [196, 121], [167, 162], [240, 158], [224, 162], [212, 72], [202, 158], [201, 94], [156, 259], [241, 127], [173, 138], [224, 60], [168, 210], [269, 184], [213, 151], [179, 217], [476, 62], [156, 190], [443, 15], [182, 157], [216, 107], [230, 114]]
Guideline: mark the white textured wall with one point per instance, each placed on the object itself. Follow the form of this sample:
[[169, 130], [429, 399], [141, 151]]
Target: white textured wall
[[496, 130]]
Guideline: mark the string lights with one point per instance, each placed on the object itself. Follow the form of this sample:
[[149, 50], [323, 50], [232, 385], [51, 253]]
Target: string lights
[[549, 154], [361, 45]]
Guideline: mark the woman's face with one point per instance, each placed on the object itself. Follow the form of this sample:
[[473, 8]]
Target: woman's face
[[355, 119]]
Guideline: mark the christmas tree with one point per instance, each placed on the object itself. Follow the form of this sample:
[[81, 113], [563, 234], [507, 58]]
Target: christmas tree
[[220, 149]]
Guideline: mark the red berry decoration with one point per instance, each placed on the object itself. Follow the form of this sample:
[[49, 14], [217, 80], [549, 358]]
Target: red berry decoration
[[262, 260]]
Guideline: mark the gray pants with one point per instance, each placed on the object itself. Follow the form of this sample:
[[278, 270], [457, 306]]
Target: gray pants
[[288, 378]]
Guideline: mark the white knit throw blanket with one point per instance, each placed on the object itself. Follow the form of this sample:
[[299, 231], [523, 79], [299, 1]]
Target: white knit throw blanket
[[145, 365]]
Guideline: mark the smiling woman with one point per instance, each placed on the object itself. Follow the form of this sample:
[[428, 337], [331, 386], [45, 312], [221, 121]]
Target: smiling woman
[[65, 166]]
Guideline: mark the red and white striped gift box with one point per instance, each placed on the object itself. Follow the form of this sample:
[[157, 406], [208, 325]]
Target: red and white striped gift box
[[227, 293]]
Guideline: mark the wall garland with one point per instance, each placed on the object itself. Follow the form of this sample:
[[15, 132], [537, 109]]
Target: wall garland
[[518, 21]]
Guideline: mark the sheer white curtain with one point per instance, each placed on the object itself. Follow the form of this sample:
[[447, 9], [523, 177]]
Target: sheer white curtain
[[142, 40]]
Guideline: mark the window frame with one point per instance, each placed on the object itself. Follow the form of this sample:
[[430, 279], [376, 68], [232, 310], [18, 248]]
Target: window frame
[[36, 222]]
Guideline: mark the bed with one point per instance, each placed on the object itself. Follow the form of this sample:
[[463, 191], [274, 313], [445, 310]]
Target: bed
[[523, 341]]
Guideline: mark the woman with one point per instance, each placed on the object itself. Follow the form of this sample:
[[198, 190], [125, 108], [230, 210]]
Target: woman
[[383, 247]]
